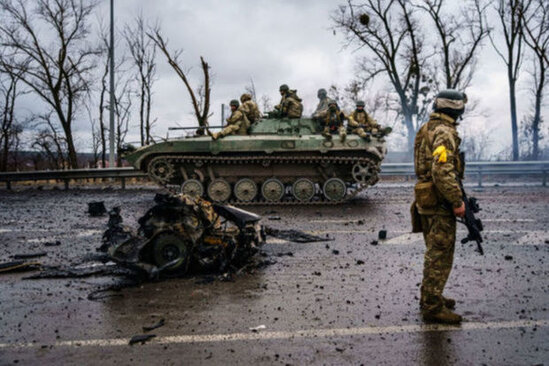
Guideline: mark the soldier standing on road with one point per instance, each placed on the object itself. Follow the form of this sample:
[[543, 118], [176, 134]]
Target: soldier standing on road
[[249, 108], [438, 200], [237, 123], [361, 123], [290, 104], [334, 122]]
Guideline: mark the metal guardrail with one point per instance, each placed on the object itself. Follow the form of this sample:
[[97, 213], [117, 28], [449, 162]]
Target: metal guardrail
[[473, 169]]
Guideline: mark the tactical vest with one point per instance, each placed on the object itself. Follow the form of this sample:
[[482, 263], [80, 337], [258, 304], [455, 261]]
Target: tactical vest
[[363, 119], [423, 148], [334, 120]]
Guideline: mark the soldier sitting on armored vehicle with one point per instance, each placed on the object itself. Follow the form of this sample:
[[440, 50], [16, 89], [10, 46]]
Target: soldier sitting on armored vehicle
[[237, 123], [290, 104], [362, 124], [249, 108], [322, 108], [334, 122]]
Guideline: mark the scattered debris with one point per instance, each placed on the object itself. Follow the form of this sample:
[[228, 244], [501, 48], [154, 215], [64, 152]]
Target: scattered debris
[[96, 209], [335, 252], [359, 262], [274, 218], [374, 242], [18, 266], [29, 255], [75, 272], [141, 338], [258, 328], [508, 257], [382, 235], [296, 236], [52, 243], [159, 324]]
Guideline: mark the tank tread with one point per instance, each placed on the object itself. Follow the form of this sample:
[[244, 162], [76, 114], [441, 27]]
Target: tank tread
[[202, 160]]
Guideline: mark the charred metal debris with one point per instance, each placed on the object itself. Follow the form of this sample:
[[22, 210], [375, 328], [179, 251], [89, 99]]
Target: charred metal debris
[[182, 234]]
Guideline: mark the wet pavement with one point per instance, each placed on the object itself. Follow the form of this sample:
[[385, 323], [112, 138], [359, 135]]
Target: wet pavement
[[352, 300]]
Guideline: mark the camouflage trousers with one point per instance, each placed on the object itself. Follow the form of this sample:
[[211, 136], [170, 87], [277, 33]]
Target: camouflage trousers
[[439, 233]]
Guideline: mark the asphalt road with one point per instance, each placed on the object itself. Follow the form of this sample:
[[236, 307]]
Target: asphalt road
[[345, 301]]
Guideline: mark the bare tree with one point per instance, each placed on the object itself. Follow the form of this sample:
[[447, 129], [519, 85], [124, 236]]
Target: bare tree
[[536, 36], [511, 22], [143, 54], [390, 33], [51, 144], [250, 89], [266, 103], [460, 38], [56, 67], [201, 104], [9, 128]]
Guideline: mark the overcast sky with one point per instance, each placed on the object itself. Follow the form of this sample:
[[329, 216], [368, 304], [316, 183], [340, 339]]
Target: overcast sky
[[273, 42]]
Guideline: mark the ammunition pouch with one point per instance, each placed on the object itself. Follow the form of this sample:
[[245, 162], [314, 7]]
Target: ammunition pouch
[[416, 219], [426, 195]]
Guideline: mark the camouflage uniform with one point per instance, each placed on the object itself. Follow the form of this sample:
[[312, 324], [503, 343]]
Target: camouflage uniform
[[437, 193], [290, 105], [323, 103], [249, 108], [334, 123], [361, 123]]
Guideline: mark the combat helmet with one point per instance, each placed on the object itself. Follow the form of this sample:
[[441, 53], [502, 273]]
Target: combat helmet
[[284, 88], [360, 103], [322, 93], [450, 102], [234, 102], [245, 97]]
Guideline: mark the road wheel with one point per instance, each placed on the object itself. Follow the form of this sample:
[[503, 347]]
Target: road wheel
[[192, 187], [272, 190], [303, 189], [334, 189], [160, 170], [219, 190], [245, 190]]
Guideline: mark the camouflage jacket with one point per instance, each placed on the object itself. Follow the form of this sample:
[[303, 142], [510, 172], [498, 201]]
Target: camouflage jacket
[[364, 120], [322, 108], [334, 120], [290, 105], [437, 160], [250, 109], [238, 120]]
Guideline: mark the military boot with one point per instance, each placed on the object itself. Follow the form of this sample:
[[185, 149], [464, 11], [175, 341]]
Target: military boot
[[449, 303], [342, 137], [444, 316], [326, 133]]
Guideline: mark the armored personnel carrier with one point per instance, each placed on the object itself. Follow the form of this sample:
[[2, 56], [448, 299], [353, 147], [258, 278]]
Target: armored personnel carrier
[[281, 161]]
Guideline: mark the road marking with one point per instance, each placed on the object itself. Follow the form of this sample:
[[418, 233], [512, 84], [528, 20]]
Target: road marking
[[403, 239], [308, 333], [366, 221], [534, 238], [276, 241]]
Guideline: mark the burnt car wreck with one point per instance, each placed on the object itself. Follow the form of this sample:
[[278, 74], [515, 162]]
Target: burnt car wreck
[[183, 234]]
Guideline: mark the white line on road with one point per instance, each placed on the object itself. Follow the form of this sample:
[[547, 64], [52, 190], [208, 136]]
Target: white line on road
[[365, 221], [309, 333]]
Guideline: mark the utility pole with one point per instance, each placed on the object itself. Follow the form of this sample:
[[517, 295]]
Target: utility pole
[[222, 113], [112, 106]]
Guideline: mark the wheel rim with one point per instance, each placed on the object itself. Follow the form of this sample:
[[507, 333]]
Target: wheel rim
[[193, 188], [272, 190], [334, 189], [303, 189], [219, 190], [161, 170], [362, 173], [245, 190], [168, 247]]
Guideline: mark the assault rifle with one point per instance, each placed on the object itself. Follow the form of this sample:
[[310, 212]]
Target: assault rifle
[[474, 225]]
